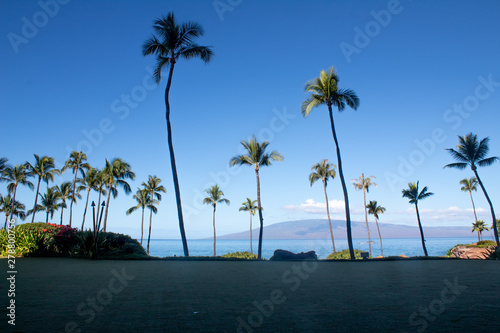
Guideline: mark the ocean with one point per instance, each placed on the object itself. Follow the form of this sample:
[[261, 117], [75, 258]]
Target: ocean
[[392, 246]]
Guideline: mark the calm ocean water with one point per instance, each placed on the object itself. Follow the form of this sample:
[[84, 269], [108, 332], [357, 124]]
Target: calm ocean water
[[392, 246]]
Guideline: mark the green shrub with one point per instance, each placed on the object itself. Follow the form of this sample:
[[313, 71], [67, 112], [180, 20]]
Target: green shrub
[[27, 242], [344, 254], [486, 243], [240, 255], [109, 245]]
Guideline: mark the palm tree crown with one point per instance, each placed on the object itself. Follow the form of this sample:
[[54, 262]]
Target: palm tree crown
[[256, 154], [469, 184], [214, 196], [322, 170], [249, 206], [413, 195]]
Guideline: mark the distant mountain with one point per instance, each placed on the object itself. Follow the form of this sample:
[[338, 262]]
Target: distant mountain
[[319, 229]]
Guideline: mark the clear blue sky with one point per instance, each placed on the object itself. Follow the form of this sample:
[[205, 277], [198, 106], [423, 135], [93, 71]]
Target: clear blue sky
[[418, 67]]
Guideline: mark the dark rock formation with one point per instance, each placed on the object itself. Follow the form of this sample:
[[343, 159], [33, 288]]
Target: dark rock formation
[[287, 255]]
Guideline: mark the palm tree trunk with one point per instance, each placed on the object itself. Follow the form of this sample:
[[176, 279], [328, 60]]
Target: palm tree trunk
[[495, 231], [36, 199], [98, 209], [328, 214], [172, 161], [86, 205], [107, 206], [47, 218], [72, 198], [259, 253], [473, 206], [62, 210], [379, 236], [12, 202], [344, 187], [214, 232], [478, 237], [366, 221], [142, 224], [150, 223], [6, 219], [251, 248], [421, 230]]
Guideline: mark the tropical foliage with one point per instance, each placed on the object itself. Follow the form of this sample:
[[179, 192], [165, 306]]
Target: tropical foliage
[[479, 226]]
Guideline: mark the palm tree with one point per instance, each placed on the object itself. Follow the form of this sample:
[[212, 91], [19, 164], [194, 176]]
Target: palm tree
[[412, 193], [99, 187], [9, 207], [257, 157], [3, 165], [76, 162], [16, 175], [471, 152], [479, 226], [49, 203], [324, 171], [65, 192], [45, 169], [214, 196], [324, 91], [87, 183], [154, 190], [143, 200], [375, 210], [174, 41], [469, 185], [115, 173], [364, 184], [250, 206]]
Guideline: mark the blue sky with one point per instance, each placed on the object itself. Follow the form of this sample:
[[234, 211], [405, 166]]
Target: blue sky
[[73, 77]]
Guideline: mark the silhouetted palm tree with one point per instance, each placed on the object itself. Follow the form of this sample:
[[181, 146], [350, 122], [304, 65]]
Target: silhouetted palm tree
[[87, 183], [66, 192], [324, 91], [3, 165], [375, 210], [100, 187], [174, 41], [324, 171], [50, 202], [257, 157], [364, 184], [471, 152], [412, 193], [18, 174], [250, 206], [76, 162], [9, 207], [214, 196], [143, 200], [469, 185], [479, 226], [154, 189]]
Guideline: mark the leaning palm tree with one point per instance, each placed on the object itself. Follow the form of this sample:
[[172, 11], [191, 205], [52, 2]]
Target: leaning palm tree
[[471, 152], [324, 171], [154, 190], [143, 200], [15, 175], [325, 91], [174, 41], [76, 162], [50, 202], [469, 185], [9, 207], [87, 183], [257, 157], [414, 195], [375, 210], [250, 206], [214, 196], [115, 173], [43, 168], [66, 192], [364, 184], [479, 226]]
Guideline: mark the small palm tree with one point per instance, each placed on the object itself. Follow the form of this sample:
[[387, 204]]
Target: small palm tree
[[412, 193], [250, 206], [471, 152], [174, 41], [469, 185], [479, 226], [257, 157], [9, 207], [50, 202], [87, 183], [375, 210], [66, 192], [143, 200], [324, 171], [16, 175], [76, 162], [154, 190], [214, 196], [364, 184], [43, 168], [325, 91]]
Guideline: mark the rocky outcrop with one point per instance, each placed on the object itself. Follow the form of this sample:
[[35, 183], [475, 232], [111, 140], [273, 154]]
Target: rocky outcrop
[[465, 252], [287, 255]]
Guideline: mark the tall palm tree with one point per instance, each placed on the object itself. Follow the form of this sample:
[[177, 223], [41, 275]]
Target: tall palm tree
[[325, 91], [76, 162], [324, 171], [250, 206], [9, 207], [15, 175], [257, 157], [479, 226], [214, 196], [469, 185], [154, 190], [364, 184], [115, 173], [471, 152], [143, 200], [414, 195], [87, 183], [43, 168], [50, 202], [100, 187], [66, 192], [375, 210], [174, 41]]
